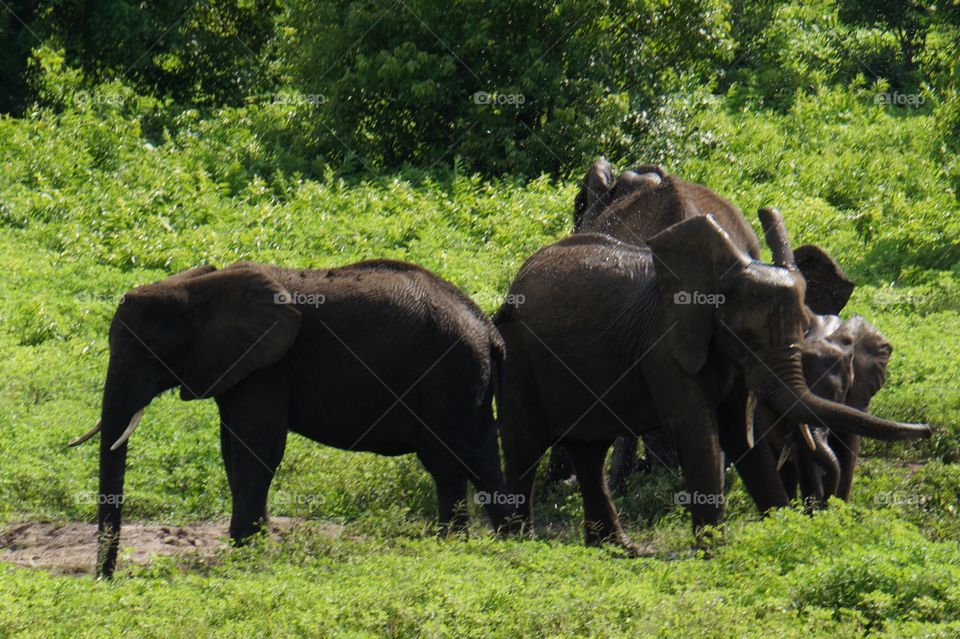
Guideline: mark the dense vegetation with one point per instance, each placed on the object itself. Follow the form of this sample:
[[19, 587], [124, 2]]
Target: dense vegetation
[[109, 180]]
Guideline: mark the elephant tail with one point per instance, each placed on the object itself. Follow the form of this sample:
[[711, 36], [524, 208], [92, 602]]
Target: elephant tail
[[498, 356]]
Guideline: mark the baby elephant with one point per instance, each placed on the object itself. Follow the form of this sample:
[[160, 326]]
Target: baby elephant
[[377, 356]]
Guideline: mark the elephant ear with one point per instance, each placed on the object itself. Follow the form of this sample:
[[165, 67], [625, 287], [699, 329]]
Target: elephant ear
[[645, 176], [871, 355], [828, 287], [243, 320], [691, 258], [594, 193]]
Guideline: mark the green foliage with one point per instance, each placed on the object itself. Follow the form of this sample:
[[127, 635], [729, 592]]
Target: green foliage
[[842, 573], [106, 185], [192, 52], [522, 87], [907, 20]]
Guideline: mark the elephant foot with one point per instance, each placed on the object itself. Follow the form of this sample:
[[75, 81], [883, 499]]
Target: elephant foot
[[708, 540], [455, 528], [243, 536]]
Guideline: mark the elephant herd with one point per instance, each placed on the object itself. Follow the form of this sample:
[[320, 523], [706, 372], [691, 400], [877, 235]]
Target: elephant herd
[[655, 319]]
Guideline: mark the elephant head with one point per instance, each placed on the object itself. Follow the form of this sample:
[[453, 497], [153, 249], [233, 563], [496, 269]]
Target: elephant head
[[828, 372], [202, 330], [869, 354], [843, 360], [599, 189], [594, 193], [722, 303]]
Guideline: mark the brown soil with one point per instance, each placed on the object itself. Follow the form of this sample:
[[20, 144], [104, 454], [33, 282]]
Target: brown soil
[[70, 548]]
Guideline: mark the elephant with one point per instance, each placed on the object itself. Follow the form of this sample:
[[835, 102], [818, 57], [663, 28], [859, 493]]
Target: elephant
[[658, 201], [615, 338], [645, 200], [639, 203], [844, 360], [378, 356]]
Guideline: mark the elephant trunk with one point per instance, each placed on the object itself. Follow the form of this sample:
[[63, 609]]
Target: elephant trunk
[[828, 461], [809, 475], [782, 386], [121, 411], [775, 232]]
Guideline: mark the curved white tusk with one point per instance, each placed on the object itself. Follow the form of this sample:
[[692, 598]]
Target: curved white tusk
[[134, 422], [784, 455], [751, 409], [87, 435], [808, 437]]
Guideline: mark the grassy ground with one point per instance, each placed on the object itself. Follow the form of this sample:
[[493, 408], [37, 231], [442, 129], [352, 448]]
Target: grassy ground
[[91, 205]]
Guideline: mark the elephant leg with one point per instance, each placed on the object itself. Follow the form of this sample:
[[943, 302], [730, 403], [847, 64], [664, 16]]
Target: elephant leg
[[811, 479], [703, 475], [847, 448], [623, 463], [253, 416], [692, 420], [523, 448], [451, 502], [756, 466], [601, 522], [254, 462], [225, 454], [525, 438], [449, 472]]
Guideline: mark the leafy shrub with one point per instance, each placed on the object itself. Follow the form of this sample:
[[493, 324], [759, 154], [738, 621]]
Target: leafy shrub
[[522, 87]]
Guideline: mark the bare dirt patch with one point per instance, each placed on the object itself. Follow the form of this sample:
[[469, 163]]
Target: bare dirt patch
[[69, 548]]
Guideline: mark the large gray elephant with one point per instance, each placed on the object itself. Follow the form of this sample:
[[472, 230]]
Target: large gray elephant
[[826, 465], [640, 203], [377, 356], [616, 339]]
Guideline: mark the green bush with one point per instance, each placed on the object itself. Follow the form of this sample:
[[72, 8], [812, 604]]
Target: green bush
[[562, 79]]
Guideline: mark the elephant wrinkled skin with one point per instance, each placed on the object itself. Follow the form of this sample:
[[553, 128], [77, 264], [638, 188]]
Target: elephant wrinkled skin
[[607, 337], [377, 356]]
